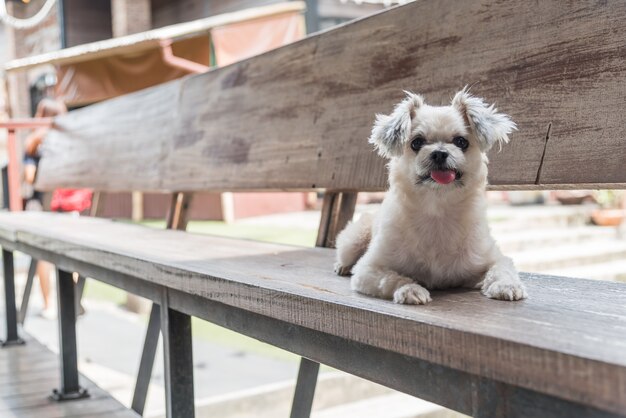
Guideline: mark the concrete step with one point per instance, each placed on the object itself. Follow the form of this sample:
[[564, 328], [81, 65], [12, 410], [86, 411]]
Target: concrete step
[[527, 239], [568, 256], [274, 400], [338, 395], [512, 218], [395, 405], [501, 217], [611, 270]]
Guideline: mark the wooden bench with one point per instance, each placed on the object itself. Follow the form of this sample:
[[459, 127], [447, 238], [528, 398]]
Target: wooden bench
[[297, 118]]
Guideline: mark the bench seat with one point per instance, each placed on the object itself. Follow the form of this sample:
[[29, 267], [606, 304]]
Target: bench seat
[[562, 327]]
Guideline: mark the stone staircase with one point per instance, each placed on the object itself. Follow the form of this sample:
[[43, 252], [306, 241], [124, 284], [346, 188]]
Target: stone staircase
[[338, 395], [558, 240], [395, 405]]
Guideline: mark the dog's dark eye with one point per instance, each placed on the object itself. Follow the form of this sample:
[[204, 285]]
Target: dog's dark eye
[[417, 143], [460, 142]]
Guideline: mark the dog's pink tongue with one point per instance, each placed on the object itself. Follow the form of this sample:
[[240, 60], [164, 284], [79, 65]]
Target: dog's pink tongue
[[443, 176]]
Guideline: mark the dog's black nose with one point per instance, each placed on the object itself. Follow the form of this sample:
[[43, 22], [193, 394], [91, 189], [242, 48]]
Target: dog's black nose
[[439, 156]]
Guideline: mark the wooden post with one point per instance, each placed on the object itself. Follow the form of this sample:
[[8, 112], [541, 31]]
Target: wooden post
[[228, 207], [97, 204], [337, 211], [137, 206], [176, 219], [15, 194]]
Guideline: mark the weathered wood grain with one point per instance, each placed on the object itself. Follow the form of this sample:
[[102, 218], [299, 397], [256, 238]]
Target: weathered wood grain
[[298, 117], [27, 376], [102, 157], [27, 369], [561, 328], [460, 391], [337, 211]]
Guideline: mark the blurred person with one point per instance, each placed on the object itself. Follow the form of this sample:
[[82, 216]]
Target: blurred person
[[63, 200], [47, 108]]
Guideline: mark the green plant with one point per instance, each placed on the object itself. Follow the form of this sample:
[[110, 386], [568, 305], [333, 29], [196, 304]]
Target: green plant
[[610, 199]]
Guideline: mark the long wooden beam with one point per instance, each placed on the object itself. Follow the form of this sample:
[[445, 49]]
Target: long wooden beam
[[566, 340], [298, 117]]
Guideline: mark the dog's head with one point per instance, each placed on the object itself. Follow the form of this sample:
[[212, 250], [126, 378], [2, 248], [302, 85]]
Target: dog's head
[[441, 146]]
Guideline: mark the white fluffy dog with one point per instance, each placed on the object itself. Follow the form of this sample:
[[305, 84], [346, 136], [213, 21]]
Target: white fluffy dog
[[431, 231]]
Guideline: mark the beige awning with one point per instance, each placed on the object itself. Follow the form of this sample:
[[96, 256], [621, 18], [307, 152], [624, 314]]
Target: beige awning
[[102, 70], [143, 41]]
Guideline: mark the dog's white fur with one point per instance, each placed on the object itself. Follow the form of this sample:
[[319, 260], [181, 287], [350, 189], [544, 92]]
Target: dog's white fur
[[429, 235]]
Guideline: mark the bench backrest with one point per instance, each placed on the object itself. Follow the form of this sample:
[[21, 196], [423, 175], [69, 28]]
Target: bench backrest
[[298, 117]]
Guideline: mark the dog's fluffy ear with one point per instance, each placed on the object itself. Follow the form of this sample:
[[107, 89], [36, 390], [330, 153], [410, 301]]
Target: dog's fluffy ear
[[489, 126], [390, 132]]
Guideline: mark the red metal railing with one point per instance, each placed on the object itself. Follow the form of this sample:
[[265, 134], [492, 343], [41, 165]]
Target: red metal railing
[[15, 197]]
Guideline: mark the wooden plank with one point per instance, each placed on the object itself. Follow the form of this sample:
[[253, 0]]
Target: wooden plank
[[559, 328], [429, 382], [298, 117], [451, 388], [26, 377], [122, 413], [337, 211], [26, 359], [38, 400], [81, 408], [96, 155], [33, 372], [42, 388], [24, 368]]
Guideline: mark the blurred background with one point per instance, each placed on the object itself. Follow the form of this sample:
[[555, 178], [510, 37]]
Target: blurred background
[[83, 52]]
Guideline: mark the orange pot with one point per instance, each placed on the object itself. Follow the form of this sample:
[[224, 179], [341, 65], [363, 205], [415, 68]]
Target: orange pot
[[608, 217]]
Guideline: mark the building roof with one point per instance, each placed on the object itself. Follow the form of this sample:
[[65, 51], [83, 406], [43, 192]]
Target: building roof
[[150, 39]]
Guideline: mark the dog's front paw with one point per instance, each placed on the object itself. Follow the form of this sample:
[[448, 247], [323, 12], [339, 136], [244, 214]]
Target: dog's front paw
[[342, 270], [505, 290], [412, 294]]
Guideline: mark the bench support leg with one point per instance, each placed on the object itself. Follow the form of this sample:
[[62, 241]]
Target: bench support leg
[[305, 388], [32, 269], [70, 388], [178, 357], [9, 295], [147, 360]]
